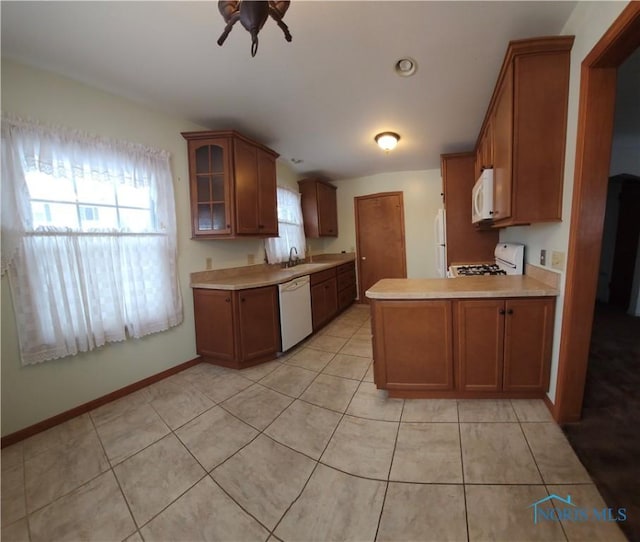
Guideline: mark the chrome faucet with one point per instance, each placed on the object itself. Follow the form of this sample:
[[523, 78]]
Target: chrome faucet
[[292, 261]]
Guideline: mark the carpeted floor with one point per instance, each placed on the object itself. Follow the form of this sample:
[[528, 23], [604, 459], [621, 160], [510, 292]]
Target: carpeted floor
[[607, 439]]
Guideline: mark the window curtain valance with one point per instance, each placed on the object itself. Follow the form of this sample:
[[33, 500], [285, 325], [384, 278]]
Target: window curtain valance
[[77, 288]]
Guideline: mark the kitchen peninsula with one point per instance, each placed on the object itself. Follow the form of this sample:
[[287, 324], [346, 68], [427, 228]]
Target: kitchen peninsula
[[469, 337]]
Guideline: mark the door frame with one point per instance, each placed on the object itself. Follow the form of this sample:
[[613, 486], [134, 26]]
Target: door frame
[[593, 154], [356, 199]]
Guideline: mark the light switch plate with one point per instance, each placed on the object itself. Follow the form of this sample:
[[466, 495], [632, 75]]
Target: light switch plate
[[543, 257]]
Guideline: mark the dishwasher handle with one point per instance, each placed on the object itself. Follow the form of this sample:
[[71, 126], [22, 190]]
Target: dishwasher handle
[[294, 284]]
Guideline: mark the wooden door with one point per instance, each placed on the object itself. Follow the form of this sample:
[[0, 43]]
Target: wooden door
[[479, 344], [380, 239], [413, 345], [528, 340], [502, 122], [267, 195], [624, 257], [466, 243], [259, 323], [213, 310], [246, 187], [327, 210]]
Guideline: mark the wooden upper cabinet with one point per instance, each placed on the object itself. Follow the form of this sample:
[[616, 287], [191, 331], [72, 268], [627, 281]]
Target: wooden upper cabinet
[[466, 243], [527, 120], [502, 122], [319, 208], [484, 152], [232, 182]]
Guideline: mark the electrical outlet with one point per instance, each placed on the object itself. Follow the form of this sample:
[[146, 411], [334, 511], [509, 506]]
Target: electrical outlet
[[543, 257], [557, 260], [251, 259], [208, 264]]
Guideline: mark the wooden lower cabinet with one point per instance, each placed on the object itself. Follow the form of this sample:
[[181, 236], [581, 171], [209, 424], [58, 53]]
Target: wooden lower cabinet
[[346, 285], [479, 344], [412, 345], [463, 348], [528, 340], [214, 318], [324, 297], [237, 328]]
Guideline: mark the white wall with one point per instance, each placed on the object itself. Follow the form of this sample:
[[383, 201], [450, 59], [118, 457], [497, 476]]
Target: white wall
[[31, 394], [588, 22], [421, 196]]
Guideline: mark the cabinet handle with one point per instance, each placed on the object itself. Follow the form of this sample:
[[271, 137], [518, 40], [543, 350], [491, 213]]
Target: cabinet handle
[[228, 225], [228, 300], [502, 311], [242, 299], [364, 258], [510, 311], [260, 226]]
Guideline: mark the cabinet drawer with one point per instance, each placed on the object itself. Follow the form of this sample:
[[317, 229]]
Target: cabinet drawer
[[346, 267], [346, 280], [321, 276]]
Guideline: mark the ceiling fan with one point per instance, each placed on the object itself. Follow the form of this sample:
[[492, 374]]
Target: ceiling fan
[[252, 15]]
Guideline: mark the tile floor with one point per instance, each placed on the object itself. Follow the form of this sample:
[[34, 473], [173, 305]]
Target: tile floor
[[300, 449]]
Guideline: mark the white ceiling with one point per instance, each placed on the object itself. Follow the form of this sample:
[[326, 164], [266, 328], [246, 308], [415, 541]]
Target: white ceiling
[[320, 98]]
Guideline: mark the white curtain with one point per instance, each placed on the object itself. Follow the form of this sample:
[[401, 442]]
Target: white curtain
[[290, 228], [77, 288]]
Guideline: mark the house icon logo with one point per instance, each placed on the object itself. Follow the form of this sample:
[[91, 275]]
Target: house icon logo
[[541, 513], [564, 509]]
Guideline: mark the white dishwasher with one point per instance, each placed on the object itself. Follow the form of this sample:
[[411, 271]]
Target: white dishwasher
[[295, 311]]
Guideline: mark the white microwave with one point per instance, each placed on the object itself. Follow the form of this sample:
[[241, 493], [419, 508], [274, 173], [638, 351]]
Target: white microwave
[[482, 197]]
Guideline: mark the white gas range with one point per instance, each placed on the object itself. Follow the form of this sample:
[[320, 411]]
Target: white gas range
[[509, 261]]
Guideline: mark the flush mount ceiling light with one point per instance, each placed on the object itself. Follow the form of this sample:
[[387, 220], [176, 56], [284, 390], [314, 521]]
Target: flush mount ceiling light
[[387, 141], [406, 67], [252, 14]]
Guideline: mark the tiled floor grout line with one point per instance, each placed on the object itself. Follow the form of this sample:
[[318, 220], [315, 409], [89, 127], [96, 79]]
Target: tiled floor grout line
[[566, 536], [315, 466], [535, 461], [113, 472], [386, 487], [317, 462], [174, 432], [464, 485]]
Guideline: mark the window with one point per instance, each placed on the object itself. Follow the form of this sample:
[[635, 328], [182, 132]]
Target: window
[[88, 239], [290, 228]]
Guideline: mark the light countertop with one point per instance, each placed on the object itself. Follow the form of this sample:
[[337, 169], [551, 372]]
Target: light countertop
[[461, 287], [256, 276]]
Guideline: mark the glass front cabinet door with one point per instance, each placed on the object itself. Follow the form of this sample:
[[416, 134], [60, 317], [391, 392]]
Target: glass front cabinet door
[[210, 164]]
